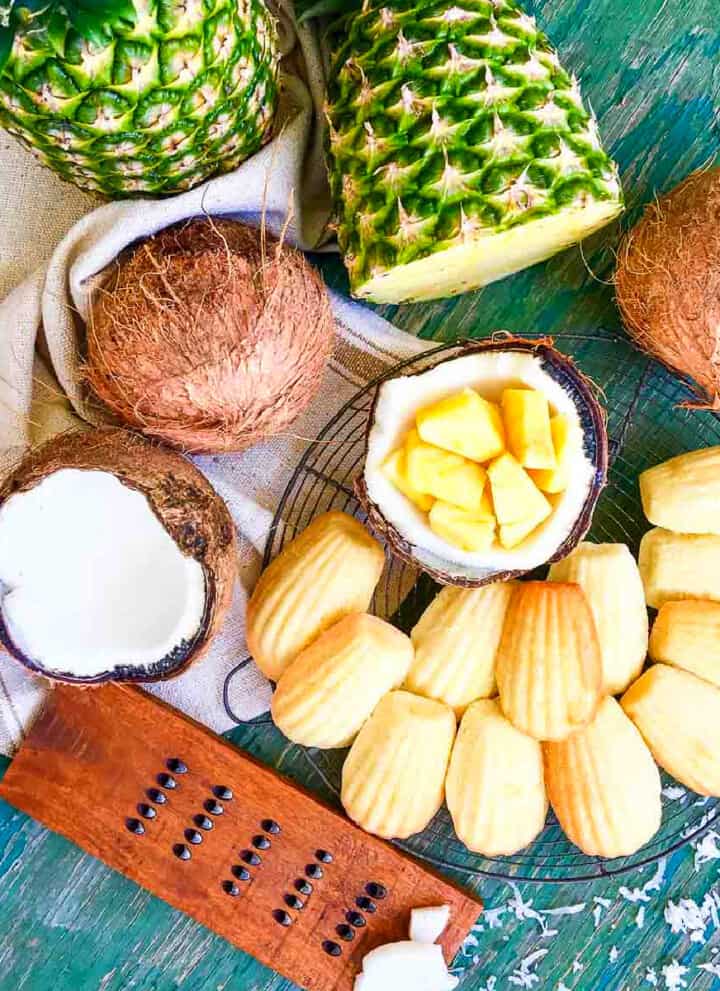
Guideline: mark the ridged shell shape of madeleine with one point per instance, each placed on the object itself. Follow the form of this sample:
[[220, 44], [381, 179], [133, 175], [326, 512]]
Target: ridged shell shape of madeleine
[[679, 718], [332, 687], [678, 566], [609, 577], [393, 781], [495, 789], [604, 785], [456, 641], [549, 667], [329, 570], [683, 494], [686, 634]]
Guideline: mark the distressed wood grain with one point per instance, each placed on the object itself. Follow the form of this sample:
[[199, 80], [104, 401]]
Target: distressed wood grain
[[651, 69]]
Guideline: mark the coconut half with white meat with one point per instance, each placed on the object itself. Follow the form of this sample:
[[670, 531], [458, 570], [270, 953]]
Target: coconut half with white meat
[[488, 368], [117, 560]]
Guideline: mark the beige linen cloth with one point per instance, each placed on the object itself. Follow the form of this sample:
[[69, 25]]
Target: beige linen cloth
[[41, 326]]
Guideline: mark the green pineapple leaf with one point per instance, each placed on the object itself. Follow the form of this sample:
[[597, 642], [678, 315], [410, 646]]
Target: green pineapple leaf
[[307, 9], [57, 31], [6, 40]]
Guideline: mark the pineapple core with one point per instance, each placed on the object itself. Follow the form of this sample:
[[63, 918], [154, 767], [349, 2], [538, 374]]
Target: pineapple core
[[463, 441]]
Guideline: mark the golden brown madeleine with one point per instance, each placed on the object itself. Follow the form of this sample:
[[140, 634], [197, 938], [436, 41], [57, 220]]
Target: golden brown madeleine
[[679, 717], [549, 667], [332, 687], [393, 781], [609, 577], [329, 570], [677, 566], [495, 789], [686, 634], [456, 641], [604, 785], [683, 494]]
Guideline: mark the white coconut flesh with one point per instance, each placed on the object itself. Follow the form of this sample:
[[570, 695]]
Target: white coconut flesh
[[485, 259], [90, 580], [489, 373]]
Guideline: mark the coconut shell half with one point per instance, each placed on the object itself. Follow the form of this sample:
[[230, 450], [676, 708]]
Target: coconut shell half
[[591, 416], [182, 500]]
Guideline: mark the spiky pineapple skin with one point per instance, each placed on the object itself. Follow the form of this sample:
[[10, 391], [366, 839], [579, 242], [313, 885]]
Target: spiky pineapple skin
[[447, 124], [186, 92]]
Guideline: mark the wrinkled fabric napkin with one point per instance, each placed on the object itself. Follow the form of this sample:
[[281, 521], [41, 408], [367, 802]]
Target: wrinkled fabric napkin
[[41, 328]]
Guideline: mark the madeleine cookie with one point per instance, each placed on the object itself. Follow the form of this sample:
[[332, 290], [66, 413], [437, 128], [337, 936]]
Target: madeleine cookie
[[393, 781], [495, 789], [604, 786]]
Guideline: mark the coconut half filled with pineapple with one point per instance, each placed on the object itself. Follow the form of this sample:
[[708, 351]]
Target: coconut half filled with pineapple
[[117, 560], [488, 464]]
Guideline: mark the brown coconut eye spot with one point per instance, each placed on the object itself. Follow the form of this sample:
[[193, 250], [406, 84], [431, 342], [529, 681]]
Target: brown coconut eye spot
[[209, 336]]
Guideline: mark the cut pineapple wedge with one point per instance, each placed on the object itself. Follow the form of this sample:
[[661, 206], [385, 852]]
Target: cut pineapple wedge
[[444, 475], [609, 577], [491, 256], [679, 566], [526, 415], [567, 438], [495, 788], [456, 641], [512, 534], [604, 786], [395, 467], [683, 494], [516, 498], [686, 635], [393, 781], [464, 423], [468, 531], [679, 717]]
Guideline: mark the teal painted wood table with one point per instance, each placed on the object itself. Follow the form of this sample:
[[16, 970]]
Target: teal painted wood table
[[651, 69]]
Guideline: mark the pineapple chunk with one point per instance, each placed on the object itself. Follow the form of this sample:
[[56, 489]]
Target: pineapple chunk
[[526, 415], [512, 534], [515, 496], [464, 423], [395, 466], [444, 475], [566, 439], [465, 530]]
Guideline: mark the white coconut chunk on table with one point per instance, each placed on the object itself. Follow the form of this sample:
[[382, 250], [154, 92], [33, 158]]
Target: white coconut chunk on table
[[489, 373], [405, 966], [427, 924], [90, 580]]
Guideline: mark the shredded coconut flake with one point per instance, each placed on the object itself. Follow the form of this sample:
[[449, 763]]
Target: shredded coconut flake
[[654, 884], [524, 976], [613, 954], [706, 849], [691, 919], [673, 974]]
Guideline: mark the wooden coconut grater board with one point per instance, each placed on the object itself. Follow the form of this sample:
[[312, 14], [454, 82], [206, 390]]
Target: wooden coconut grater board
[[221, 837]]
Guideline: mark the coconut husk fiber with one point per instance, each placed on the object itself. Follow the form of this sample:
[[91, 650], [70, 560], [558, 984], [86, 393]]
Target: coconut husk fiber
[[668, 283], [210, 335]]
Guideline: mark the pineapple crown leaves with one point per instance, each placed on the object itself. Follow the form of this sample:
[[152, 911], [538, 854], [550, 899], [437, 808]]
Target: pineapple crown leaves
[[93, 20], [306, 9]]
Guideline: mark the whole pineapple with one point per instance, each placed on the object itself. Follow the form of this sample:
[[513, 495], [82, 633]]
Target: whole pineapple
[[460, 149], [138, 96]]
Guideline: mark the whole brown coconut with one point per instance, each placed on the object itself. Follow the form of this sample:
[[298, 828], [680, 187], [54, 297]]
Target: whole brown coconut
[[209, 336], [668, 283], [183, 501]]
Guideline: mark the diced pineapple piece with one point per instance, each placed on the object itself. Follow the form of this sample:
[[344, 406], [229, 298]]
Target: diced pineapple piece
[[395, 467], [461, 528], [444, 475], [515, 496], [526, 416], [683, 494], [567, 439], [512, 534], [464, 423]]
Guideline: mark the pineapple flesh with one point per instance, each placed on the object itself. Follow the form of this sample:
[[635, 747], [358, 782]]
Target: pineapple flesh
[[144, 98], [460, 149]]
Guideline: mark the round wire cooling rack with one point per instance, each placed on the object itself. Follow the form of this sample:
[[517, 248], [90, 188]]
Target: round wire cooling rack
[[645, 426]]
